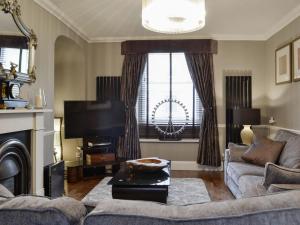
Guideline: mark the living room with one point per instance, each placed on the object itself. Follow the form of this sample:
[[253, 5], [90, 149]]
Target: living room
[[79, 48]]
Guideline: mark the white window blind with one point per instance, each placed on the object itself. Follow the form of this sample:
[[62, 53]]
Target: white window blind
[[15, 55], [166, 76], [24, 61]]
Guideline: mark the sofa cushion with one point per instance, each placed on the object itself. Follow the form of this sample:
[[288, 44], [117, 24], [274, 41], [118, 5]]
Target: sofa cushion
[[263, 150], [237, 169], [290, 155], [250, 186]]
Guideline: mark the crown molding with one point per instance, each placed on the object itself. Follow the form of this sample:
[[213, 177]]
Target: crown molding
[[132, 38], [238, 37], [290, 17], [60, 15], [218, 37]]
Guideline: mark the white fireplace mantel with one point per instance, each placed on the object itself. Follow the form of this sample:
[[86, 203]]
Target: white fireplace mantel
[[23, 119]]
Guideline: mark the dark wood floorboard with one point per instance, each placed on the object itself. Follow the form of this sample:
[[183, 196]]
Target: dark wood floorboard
[[79, 189], [213, 180]]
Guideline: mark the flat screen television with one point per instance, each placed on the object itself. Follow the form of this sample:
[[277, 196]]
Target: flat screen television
[[94, 119]]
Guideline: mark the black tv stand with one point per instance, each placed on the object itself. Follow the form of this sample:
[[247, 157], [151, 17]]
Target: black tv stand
[[100, 145]]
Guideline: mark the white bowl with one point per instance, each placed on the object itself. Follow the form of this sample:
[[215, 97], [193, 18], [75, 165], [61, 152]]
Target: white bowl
[[147, 164]]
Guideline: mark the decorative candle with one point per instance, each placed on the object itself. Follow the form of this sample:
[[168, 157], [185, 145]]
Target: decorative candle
[[39, 100]]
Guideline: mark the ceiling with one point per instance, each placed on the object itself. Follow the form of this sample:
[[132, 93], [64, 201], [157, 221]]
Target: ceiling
[[119, 20]]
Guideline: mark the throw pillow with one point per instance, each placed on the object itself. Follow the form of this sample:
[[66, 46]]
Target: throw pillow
[[236, 152], [4, 192], [290, 156], [263, 150]]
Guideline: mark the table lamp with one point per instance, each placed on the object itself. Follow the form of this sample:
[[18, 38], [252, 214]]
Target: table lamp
[[246, 117]]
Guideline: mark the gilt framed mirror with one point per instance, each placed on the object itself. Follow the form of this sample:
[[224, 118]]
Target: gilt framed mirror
[[18, 45]]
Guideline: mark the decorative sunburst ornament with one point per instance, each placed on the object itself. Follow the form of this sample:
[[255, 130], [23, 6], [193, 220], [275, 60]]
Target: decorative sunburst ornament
[[170, 131]]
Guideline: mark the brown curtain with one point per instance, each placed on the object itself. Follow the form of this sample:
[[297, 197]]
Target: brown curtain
[[133, 67], [201, 69]]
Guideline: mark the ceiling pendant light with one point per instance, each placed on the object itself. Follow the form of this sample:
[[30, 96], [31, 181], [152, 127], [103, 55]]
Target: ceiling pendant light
[[173, 16]]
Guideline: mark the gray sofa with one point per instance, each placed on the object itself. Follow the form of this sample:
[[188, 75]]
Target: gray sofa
[[246, 180], [277, 209]]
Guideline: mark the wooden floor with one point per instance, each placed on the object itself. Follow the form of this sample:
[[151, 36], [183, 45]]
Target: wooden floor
[[213, 180]]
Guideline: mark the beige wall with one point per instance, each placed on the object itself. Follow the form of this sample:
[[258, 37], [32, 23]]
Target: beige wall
[[47, 29], [106, 59], [240, 55], [69, 84], [283, 100], [175, 151]]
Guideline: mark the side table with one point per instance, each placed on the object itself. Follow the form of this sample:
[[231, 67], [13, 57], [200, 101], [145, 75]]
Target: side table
[[74, 171]]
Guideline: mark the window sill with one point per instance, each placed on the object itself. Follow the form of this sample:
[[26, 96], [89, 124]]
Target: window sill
[[186, 140]]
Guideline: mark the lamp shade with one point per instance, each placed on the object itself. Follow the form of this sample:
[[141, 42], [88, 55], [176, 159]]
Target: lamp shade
[[173, 16], [246, 116]]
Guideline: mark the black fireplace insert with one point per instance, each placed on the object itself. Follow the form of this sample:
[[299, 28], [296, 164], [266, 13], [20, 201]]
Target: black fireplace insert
[[15, 162]]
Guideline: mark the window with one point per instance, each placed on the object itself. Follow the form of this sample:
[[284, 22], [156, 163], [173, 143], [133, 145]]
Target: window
[[166, 77], [15, 55]]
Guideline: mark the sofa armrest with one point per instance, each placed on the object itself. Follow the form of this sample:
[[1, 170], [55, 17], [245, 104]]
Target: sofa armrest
[[233, 154], [283, 187], [58, 211], [225, 164], [275, 174], [226, 155]]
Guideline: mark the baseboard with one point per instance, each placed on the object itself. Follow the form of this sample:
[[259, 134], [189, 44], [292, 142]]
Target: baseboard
[[192, 166]]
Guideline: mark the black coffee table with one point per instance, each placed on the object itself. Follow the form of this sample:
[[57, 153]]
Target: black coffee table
[[141, 186]]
